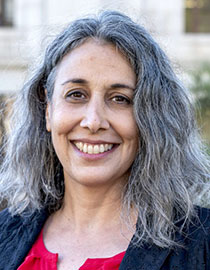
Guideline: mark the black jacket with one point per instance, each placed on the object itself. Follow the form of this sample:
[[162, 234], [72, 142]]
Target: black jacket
[[18, 234]]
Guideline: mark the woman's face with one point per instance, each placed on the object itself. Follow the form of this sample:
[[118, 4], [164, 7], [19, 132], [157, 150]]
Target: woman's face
[[90, 116]]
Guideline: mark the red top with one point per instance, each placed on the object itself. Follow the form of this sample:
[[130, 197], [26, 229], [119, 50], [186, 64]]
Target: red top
[[39, 258]]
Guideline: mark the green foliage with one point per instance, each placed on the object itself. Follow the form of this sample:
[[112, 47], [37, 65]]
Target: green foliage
[[200, 86]]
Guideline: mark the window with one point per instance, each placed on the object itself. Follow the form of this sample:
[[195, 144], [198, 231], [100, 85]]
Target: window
[[197, 16], [6, 12]]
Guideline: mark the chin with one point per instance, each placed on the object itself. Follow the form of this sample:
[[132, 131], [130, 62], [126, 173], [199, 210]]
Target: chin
[[93, 179]]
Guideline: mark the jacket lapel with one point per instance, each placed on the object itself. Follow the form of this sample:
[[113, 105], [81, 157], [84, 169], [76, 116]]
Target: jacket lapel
[[144, 257], [148, 256]]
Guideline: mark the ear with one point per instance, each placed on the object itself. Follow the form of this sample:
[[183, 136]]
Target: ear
[[47, 115], [47, 118]]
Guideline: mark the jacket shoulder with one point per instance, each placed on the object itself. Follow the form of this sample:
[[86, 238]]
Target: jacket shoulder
[[202, 220], [17, 235], [7, 223], [193, 252], [203, 213]]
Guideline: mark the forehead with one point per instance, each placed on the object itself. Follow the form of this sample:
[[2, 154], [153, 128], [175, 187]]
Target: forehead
[[95, 55], [94, 45]]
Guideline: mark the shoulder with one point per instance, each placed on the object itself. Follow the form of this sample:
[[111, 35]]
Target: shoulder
[[192, 252], [17, 235], [203, 214], [200, 223], [196, 231], [8, 221], [10, 234], [195, 243], [8, 225], [15, 224]]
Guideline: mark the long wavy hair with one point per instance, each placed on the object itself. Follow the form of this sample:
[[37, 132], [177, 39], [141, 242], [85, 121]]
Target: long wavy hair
[[170, 168]]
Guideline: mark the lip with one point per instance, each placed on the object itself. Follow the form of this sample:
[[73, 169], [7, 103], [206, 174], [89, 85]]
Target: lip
[[98, 156]]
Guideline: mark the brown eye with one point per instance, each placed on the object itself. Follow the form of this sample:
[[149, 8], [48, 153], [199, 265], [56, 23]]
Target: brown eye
[[75, 95], [121, 100]]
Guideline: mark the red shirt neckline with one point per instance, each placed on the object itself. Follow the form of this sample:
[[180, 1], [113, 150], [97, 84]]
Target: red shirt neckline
[[40, 258]]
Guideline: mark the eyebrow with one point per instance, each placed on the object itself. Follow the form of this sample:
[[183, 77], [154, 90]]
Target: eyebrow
[[77, 80], [122, 85], [85, 82]]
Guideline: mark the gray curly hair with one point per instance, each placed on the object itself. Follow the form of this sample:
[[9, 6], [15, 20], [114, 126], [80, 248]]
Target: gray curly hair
[[170, 167]]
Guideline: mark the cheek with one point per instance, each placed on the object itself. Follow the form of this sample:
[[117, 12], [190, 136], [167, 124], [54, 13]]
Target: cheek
[[132, 138], [63, 121], [129, 128]]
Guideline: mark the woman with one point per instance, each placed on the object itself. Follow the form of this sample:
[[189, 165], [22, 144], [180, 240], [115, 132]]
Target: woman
[[104, 162]]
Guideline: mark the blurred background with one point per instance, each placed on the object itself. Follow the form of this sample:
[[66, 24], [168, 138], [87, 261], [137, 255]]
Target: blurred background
[[181, 27]]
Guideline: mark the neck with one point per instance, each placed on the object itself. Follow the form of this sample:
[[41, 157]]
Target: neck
[[88, 208]]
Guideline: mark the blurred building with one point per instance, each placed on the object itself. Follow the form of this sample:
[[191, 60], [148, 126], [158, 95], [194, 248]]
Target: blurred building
[[182, 27]]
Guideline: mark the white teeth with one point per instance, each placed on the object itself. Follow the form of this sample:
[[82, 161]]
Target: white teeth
[[106, 147], [78, 145], [96, 149], [84, 148], [93, 149], [101, 148], [90, 149]]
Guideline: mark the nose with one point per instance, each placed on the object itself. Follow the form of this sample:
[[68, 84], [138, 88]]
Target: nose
[[95, 117]]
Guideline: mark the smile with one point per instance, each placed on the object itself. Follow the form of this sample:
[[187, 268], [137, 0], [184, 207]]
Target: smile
[[93, 148]]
